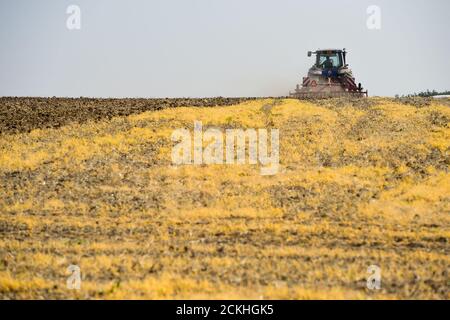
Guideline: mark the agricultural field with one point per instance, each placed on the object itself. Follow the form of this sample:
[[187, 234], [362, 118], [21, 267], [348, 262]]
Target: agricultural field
[[91, 183]]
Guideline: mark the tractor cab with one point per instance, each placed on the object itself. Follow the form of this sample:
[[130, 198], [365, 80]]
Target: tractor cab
[[329, 61], [329, 58]]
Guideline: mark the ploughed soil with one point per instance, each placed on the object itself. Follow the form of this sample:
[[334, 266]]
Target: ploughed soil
[[25, 114]]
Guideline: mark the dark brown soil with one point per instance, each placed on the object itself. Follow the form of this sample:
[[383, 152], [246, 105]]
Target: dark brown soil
[[25, 114]]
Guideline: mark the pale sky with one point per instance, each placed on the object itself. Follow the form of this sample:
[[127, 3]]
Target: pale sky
[[200, 48]]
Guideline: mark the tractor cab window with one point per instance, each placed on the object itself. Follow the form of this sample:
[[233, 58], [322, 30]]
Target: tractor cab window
[[329, 60]]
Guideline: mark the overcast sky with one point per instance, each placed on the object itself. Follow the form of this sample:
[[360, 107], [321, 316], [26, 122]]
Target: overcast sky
[[173, 48]]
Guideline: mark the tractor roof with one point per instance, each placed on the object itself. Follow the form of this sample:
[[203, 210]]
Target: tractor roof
[[325, 50]]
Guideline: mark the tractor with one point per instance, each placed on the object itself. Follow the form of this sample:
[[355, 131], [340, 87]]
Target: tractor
[[329, 77]]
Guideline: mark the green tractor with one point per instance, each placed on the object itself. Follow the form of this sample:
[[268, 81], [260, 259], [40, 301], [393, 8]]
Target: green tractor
[[329, 77]]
